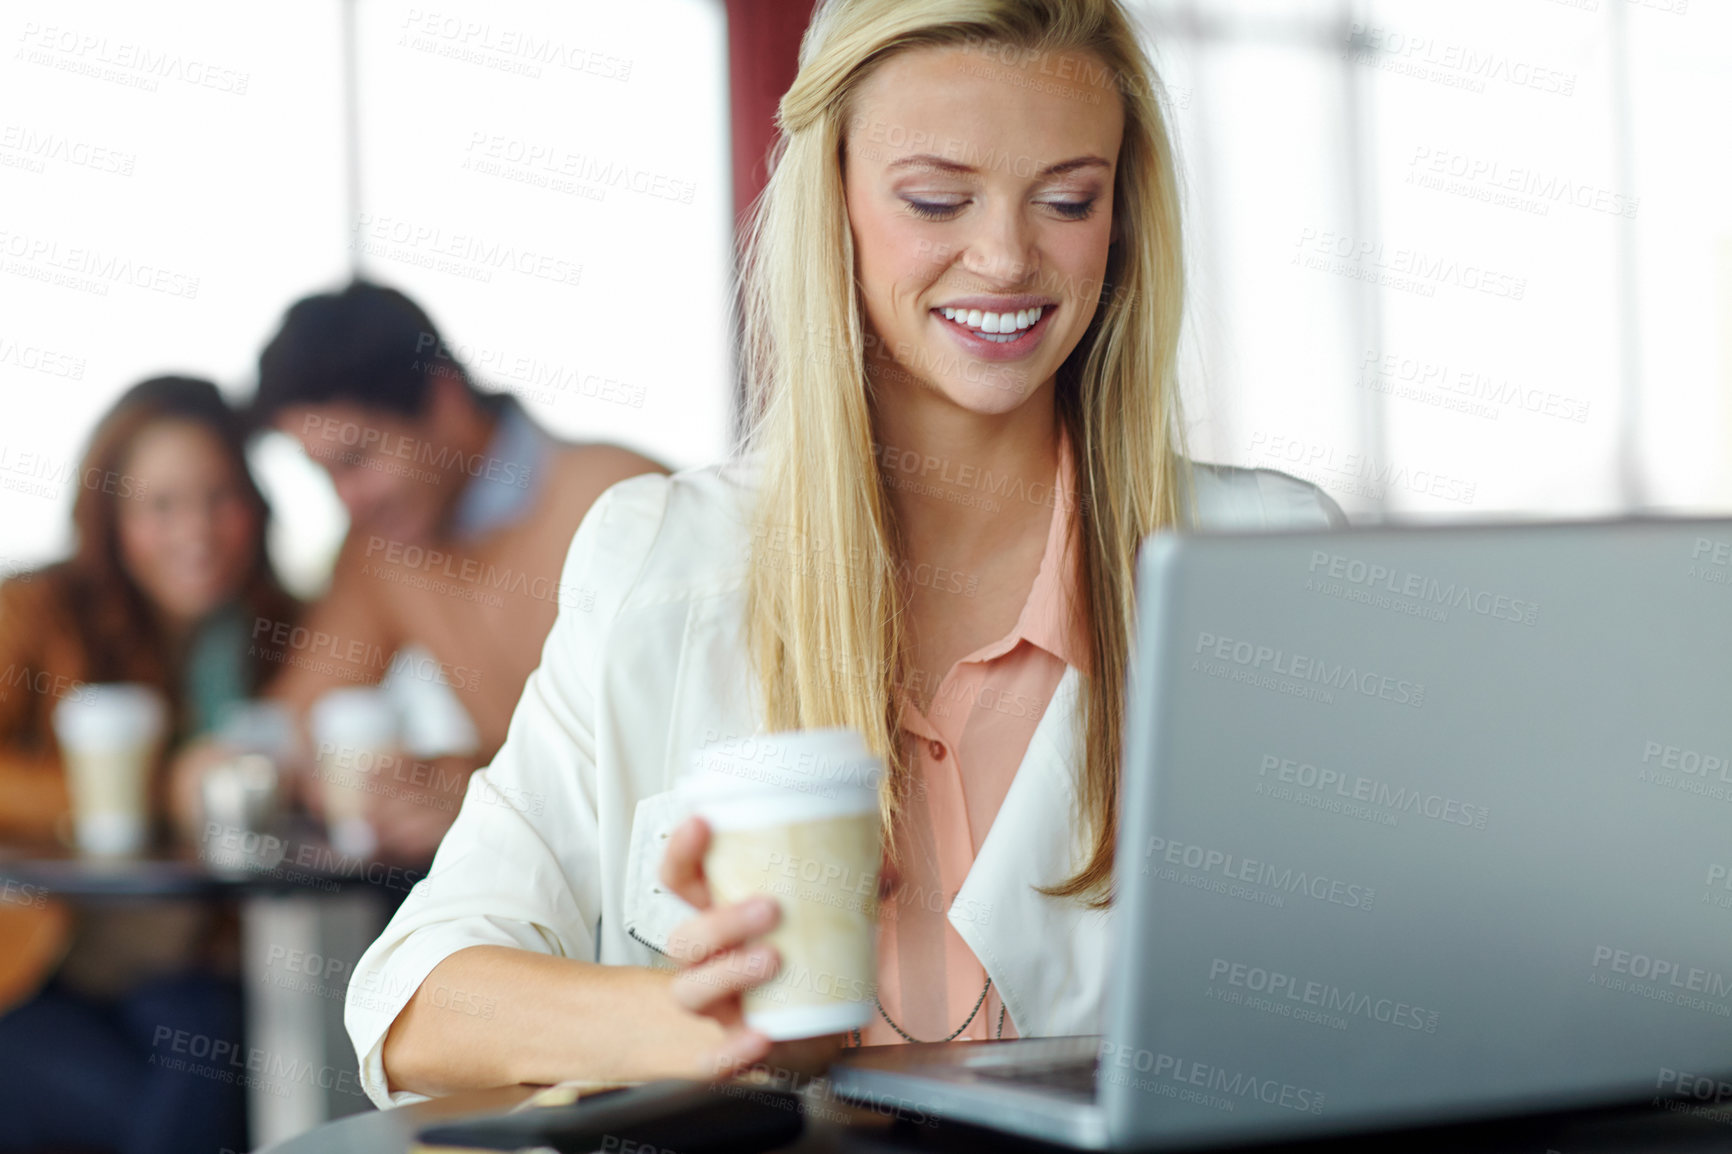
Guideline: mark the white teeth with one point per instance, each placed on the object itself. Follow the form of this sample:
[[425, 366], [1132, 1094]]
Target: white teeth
[[1003, 326]]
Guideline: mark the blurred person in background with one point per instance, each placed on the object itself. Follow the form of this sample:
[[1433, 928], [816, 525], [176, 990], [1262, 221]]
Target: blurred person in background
[[461, 510], [168, 570]]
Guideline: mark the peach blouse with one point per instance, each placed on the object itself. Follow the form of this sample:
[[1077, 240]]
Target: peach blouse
[[966, 751]]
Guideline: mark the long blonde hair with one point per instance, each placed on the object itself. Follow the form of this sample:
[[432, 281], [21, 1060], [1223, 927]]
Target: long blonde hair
[[825, 609]]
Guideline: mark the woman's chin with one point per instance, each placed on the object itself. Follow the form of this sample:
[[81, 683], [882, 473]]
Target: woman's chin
[[195, 605], [987, 398], [979, 386]]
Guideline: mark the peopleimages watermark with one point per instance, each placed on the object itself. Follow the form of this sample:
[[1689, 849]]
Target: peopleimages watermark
[[1717, 890], [503, 47], [898, 465], [1371, 577], [225, 1060], [309, 864], [26, 148], [1359, 473], [863, 134], [13, 893], [556, 167], [1200, 1083], [40, 682], [36, 474], [614, 1144], [817, 1097], [1700, 1095], [1078, 76], [1216, 870], [40, 359], [1452, 64], [792, 551], [1266, 661], [1302, 999], [285, 643], [1511, 186], [1354, 795], [1711, 561], [457, 575], [122, 61], [88, 269], [369, 770], [1403, 268], [327, 976], [524, 374], [1462, 390], [1663, 980], [461, 254], [783, 758], [1702, 773], [370, 440], [433, 783]]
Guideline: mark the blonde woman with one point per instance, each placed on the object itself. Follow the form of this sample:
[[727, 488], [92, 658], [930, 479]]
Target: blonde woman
[[964, 295]]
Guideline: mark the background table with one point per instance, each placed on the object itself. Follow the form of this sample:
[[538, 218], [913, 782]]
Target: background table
[[304, 922]]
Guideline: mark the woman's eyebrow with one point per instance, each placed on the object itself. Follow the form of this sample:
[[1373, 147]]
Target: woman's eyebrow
[[944, 164]]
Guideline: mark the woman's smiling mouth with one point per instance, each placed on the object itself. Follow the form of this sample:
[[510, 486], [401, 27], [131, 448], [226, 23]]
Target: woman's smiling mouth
[[1001, 334]]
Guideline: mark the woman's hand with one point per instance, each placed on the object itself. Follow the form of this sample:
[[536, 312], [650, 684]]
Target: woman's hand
[[184, 786], [721, 960]]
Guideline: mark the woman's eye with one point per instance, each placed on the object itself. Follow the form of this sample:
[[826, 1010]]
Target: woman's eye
[[932, 209], [1074, 209]]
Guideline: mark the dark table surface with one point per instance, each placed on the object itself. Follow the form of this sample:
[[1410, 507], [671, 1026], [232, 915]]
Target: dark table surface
[[834, 1126], [304, 861]]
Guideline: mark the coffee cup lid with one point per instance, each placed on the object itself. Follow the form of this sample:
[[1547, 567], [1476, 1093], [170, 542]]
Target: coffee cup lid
[[775, 777], [113, 713]]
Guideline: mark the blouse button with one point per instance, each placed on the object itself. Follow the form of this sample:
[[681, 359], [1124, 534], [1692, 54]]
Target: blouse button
[[937, 751]]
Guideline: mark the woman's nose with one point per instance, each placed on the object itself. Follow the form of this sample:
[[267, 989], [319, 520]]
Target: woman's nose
[[1002, 251]]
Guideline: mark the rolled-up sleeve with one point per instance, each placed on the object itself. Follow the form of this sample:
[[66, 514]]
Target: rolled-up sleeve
[[520, 867]]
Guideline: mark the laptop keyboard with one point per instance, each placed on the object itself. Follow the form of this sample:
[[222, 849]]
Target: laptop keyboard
[[1074, 1077]]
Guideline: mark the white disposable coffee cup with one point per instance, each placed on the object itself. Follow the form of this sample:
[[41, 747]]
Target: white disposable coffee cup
[[795, 816], [109, 737], [240, 801], [352, 730]]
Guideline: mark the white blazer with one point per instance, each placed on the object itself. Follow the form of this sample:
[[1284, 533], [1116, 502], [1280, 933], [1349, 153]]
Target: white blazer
[[558, 842]]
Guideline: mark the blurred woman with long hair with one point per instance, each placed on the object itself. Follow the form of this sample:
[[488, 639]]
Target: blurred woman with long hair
[[168, 576], [963, 298]]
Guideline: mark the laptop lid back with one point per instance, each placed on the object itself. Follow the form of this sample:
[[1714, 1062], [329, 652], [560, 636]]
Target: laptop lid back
[[1422, 824]]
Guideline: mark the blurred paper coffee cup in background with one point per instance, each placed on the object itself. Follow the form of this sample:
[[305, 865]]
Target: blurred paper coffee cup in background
[[353, 729], [110, 736], [240, 804], [795, 815]]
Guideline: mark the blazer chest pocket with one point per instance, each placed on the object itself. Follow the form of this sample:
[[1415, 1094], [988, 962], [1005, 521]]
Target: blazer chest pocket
[[651, 911]]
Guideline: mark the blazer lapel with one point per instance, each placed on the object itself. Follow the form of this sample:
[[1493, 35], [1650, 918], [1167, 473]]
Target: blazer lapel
[[1047, 956]]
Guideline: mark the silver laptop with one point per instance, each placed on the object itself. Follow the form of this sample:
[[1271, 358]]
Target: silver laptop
[[1418, 825]]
